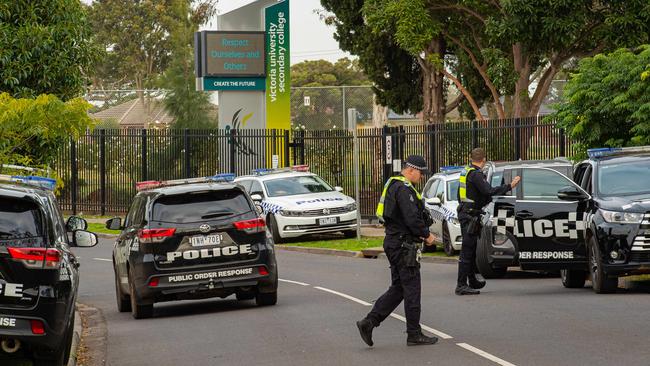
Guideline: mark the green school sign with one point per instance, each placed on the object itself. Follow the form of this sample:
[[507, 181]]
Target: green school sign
[[278, 80]]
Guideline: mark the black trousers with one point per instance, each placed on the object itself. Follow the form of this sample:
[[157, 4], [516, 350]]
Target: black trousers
[[405, 285], [467, 262]]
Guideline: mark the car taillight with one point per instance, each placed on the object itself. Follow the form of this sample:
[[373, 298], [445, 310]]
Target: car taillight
[[37, 257], [263, 271], [251, 226], [154, 235], [37, 327], [154, 282]]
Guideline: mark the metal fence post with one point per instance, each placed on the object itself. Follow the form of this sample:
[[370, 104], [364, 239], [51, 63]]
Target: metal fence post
[[343, 124], [102, 170], [517, 139], [73, 169], [562, 142], [385, 152], [474, 134], [233, 168], [186, 148], [433, 161], [286, 148], [144, 154]]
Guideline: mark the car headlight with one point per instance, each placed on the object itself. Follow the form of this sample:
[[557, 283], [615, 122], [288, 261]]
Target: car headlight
[[290, 213], [622, 217], [500, 239], [351, 207], [454, 221]]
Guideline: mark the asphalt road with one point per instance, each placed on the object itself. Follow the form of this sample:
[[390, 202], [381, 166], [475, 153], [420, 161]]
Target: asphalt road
[[525, 319]]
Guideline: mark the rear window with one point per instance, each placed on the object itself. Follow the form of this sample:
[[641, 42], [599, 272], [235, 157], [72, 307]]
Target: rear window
[[21, 223], [200, 206]]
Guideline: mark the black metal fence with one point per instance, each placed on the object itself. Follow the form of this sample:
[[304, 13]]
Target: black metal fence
[[100, 169]]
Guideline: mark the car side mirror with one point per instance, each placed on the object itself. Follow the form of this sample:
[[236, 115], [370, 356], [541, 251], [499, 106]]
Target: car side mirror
[[434, 201], [114, 223], [84, 239], [338, 189], [75, 223], [571, 193], [256, 197]]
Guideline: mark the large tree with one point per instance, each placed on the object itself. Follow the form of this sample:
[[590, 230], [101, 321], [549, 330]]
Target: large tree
[[44, 48], [607, 101]]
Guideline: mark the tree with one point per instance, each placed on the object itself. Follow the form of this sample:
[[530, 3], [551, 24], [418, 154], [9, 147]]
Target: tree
[[607, 101], [33, 130], [44, 48]]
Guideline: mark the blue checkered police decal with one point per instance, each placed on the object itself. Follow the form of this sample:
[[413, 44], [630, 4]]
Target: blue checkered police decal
[[268, 207], [570, 227]]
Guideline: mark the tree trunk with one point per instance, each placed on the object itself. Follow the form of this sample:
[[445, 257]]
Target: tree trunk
[[379, 113], [433, 85]]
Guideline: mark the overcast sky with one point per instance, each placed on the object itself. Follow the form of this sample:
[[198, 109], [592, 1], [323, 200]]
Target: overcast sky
[[311, 39]]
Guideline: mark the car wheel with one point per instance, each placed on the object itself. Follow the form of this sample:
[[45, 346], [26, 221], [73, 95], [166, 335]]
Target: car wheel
[[349, 234], [573, 278], [484, 266], [273, 227], [62, 354], [446, 242], [139, 311], [600, 282], [123, 300], [266, 299]]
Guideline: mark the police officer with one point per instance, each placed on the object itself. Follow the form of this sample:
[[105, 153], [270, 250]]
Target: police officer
[[473, 194], [407, 224]]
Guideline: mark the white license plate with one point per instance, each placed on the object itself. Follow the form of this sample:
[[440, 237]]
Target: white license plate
[[327, 221], [201, 241]]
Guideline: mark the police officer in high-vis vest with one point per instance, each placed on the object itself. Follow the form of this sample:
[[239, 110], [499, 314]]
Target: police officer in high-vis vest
[[407, 224], [473, 194]]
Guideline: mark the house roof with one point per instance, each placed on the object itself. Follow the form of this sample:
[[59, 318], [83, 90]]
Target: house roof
[[135, 113]]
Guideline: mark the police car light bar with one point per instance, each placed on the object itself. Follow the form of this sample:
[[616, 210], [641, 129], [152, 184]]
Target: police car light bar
[[613, 151], [42, 182], [450, 168], [293, 168], [300, 168], [151, 184]]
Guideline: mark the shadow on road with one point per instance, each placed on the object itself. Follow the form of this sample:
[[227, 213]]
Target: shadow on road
[[189, 308]]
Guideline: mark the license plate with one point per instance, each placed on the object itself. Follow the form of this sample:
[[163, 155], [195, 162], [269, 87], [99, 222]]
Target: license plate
[[327, 221], [205, 240]]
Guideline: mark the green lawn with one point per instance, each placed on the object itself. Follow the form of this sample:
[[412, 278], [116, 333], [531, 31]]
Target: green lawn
[[354, 245], [100, 228]]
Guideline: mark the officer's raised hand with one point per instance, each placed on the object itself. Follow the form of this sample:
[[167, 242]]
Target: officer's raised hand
[[515, 181]]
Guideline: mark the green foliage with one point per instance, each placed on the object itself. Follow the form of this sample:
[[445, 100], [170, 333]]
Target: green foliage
[[44, 48], [607, 101], [32, 130]]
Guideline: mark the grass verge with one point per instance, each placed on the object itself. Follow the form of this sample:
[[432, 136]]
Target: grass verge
[[100, 229], [354, 245]]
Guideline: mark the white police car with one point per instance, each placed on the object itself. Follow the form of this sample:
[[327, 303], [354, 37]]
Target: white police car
[[440, 197], [296, 202]]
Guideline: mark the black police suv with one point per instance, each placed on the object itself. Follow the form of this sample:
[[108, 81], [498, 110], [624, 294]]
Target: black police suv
[[532, 219], [38, 273], [192, 239], [616, 218]]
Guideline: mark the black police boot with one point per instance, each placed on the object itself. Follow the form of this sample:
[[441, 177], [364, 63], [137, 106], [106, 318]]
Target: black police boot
[[365, 329], [466, 290], [476, 281], [419, 339]]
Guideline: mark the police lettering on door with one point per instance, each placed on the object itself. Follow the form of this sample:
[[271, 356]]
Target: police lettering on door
[[11, 289], [541, 228]]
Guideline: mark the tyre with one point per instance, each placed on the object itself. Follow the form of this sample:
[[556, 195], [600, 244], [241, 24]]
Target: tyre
[[349, 234], [484, 266], [273, 227], [600, 282], [266, 299], [139, 311], [573, 278], [123, 300], [60, 356], [446, 242]]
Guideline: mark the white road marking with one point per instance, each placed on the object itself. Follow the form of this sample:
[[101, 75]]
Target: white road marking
[[294, 282], [484, 354], [343, 295], [103, 259], [424, 327]]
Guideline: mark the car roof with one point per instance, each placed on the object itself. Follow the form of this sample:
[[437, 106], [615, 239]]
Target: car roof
[[21, 191], [192, 187], [556, 161], [622, 158], [275, 175], [446, 176]]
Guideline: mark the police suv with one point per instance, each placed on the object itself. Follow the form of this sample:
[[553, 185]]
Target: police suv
[[38, 273], [529, 217], [296, 202], [192, 239], [440, 195]]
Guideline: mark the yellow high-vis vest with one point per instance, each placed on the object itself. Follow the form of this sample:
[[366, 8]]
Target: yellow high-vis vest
[[462, 190], [380, 206]]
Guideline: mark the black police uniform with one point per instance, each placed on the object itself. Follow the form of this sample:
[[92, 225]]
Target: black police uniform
[[480, 192]]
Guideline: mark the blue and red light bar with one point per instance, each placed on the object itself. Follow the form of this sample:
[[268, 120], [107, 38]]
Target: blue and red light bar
[[451, 169], [616, 151], [151, 184], [293, 168], [30, 180]]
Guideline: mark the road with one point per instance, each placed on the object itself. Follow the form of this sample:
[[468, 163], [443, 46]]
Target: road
[[526, 319]]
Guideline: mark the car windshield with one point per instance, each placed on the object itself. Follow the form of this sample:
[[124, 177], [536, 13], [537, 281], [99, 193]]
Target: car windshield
[[290, 186], [21, 223], [200, 206], [624, 179], [452, 190]]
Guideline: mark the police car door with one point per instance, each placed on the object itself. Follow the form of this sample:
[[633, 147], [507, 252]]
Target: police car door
[[434, 209], [549, 231]]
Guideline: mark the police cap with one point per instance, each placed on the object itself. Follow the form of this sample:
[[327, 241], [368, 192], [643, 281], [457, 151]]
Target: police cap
[[417, 162]]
